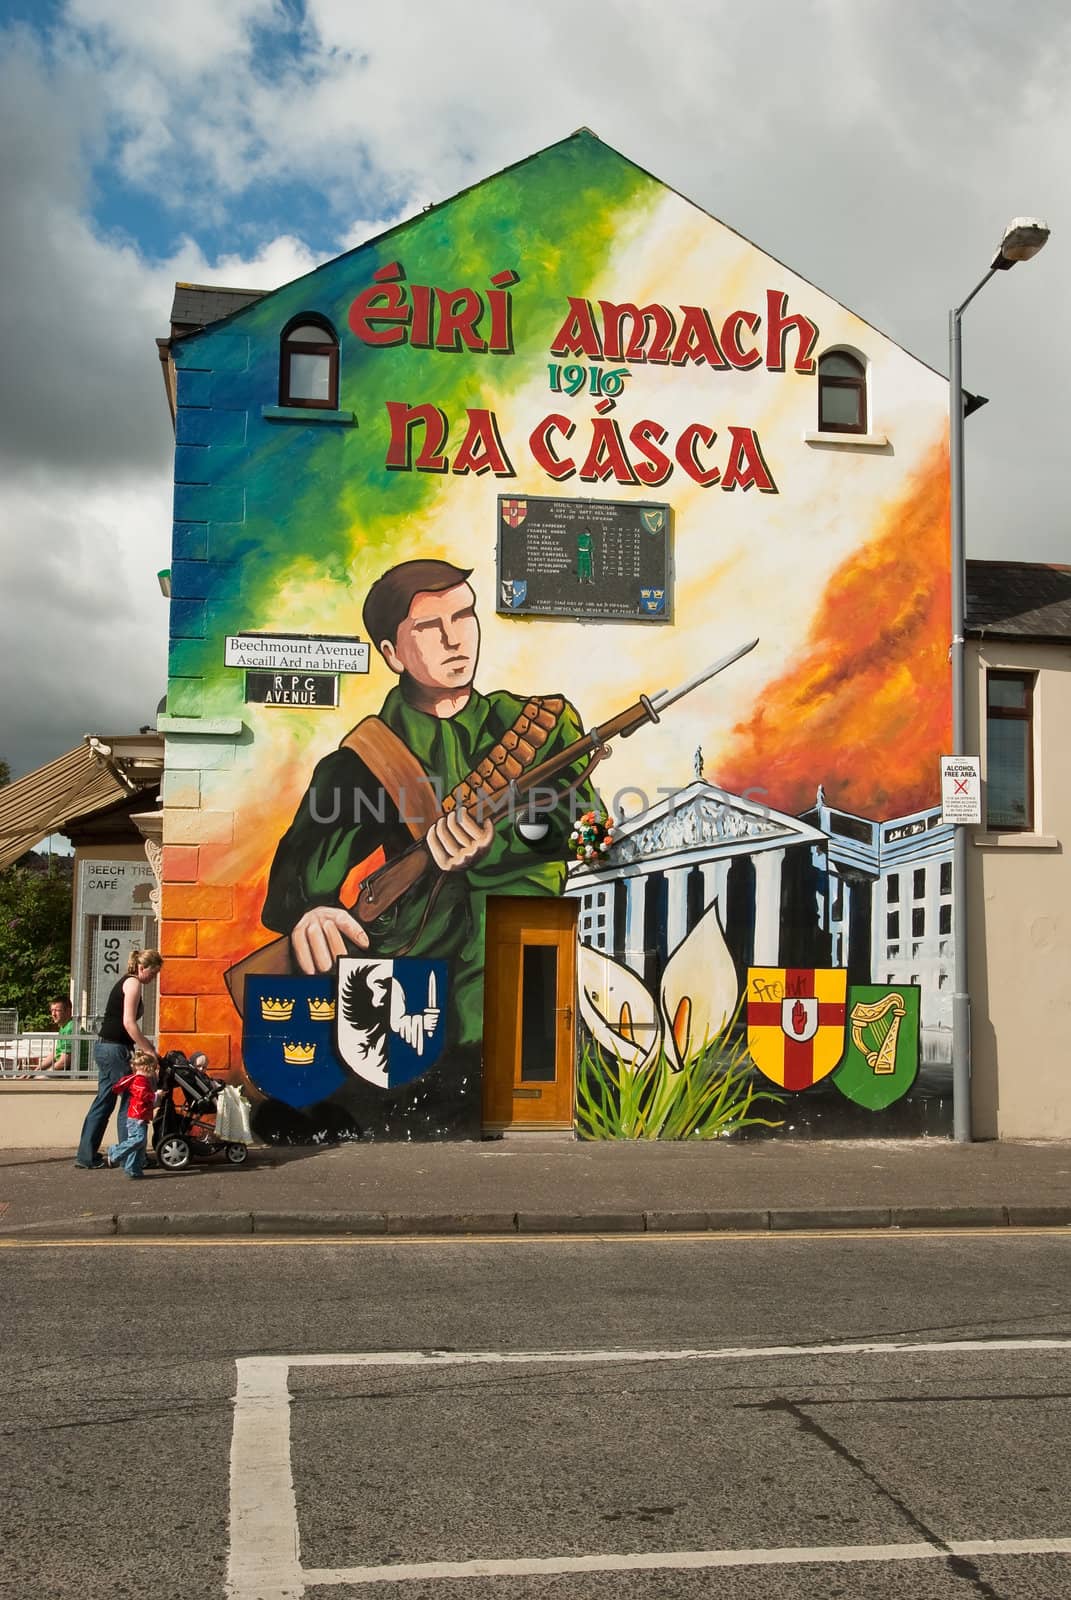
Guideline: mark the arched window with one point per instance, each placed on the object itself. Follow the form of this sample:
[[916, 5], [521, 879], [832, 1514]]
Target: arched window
[[841, 394], [308, 364]]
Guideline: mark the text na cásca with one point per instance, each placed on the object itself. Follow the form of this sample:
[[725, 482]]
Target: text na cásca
[[392, 312]]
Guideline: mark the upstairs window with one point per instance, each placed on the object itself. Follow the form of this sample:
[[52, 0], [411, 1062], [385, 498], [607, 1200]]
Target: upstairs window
[[308, 365], [841, 394], [1009, 737]]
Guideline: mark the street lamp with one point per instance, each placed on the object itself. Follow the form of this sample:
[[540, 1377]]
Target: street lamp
[[1023, 238]]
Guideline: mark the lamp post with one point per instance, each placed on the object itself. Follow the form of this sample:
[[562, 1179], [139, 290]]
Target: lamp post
[[1023, 238]]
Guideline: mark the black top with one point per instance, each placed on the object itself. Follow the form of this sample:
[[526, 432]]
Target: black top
[[112, 1030]]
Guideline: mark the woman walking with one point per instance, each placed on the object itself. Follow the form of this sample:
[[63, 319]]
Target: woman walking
[[120, 1036]]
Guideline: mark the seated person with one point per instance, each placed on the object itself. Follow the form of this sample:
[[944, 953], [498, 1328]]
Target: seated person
[[58, 1059]]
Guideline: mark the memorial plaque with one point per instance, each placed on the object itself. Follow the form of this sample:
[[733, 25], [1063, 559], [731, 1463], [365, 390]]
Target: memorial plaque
[[291, 689], [602, 560]]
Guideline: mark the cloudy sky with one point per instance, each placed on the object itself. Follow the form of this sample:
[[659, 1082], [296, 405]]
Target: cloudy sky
[[877, 147]]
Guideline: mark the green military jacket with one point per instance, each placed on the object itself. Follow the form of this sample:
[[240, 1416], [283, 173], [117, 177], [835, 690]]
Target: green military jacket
[[345, 817]]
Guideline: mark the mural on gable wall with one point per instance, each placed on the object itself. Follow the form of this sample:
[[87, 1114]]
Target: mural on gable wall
[[529, 505]]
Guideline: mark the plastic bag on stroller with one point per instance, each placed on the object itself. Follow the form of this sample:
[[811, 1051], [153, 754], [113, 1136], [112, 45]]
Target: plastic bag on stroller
[[232, 1117]]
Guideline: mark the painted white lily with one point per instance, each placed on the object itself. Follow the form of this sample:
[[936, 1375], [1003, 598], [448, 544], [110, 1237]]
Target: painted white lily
[[699, 989], [620, 1014]]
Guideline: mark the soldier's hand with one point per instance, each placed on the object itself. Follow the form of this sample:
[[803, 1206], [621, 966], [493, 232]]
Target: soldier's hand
[[320, 938], [457, 841]]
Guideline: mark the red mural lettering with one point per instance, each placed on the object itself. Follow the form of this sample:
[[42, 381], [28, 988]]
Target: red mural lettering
[[747, 465], [482, 449], [429, 318], [459, 314], [656, 466], [697, 340], [500, 342], [404, 420], [606, 456], [543, 451], [577, 334], [730, 339], [384, 302], [778, 328], [652, 322], [420, 332], [686, 456]]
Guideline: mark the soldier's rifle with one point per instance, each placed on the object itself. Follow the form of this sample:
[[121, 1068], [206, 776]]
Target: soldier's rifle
[[382, 888]]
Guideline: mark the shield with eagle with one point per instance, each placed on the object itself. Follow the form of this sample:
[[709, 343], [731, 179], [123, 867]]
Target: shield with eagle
[[389, 1026], [795, 1022]]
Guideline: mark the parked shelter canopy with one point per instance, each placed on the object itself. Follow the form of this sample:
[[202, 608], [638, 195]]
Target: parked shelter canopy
[[88, 779]]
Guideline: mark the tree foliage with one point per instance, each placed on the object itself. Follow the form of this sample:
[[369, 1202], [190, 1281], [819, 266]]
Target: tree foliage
[[35, 941]]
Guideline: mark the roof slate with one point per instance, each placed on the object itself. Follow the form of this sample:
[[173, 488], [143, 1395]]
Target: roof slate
[[1019, 599], [198, 305]]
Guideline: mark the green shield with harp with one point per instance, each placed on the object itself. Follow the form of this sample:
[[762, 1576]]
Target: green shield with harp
[[881, 1061]]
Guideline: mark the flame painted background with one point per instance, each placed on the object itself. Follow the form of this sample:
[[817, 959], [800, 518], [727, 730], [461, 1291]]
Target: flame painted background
[[281, 527]]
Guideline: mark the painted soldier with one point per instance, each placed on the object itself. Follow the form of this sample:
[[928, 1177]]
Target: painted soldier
[[584, 571], [436, 736]]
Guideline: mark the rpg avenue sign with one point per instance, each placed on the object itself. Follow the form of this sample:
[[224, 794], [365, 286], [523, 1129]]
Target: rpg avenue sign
[[291, 689]]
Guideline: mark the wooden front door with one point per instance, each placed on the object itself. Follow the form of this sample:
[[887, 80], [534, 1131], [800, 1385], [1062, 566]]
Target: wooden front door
[[529, 1052]]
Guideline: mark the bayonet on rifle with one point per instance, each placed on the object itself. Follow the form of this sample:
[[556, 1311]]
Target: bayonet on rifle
[[387, 885]]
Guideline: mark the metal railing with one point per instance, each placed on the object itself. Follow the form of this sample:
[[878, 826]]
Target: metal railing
[[22, 1057]]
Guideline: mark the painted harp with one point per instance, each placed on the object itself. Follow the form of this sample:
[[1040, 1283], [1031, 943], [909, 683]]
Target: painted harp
[[875, 1029]]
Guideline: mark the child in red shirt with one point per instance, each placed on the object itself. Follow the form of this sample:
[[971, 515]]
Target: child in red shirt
[[139, 1088]]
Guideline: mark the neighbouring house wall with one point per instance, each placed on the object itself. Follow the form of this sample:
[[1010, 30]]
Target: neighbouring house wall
[[1019, 919], [790, 843], [43, 1116]]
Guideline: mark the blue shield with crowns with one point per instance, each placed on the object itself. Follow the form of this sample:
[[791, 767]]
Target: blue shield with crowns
[[303, 1038], [287, 1045]]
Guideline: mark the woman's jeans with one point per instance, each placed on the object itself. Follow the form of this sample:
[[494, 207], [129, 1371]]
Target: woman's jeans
[[113, 1063], [131, 1150]]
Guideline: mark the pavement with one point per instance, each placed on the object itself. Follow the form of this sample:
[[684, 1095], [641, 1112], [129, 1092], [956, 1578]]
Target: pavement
[[550, 1185]]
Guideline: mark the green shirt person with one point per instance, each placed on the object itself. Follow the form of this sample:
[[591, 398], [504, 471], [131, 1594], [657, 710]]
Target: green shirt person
[[59, 1059], [421, 615]]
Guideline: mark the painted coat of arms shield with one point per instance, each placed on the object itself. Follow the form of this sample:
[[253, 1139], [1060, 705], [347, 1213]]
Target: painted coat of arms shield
[[302, 1038], [389, 1024], [881, 1061], [795, 1022]]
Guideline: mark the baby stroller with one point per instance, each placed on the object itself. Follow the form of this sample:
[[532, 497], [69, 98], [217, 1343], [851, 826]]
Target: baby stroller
[[185, 1124]]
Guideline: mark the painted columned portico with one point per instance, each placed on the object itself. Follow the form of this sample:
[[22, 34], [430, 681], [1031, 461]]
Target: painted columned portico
[[699, 827], [635, 920], [768, 867], [715, 878], [677, 918]]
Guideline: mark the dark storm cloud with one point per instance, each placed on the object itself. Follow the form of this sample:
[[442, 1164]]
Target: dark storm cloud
[[79, 382]]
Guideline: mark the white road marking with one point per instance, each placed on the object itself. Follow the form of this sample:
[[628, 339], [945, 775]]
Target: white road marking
[[683, 1560], [264, 1558], [263, 1561]]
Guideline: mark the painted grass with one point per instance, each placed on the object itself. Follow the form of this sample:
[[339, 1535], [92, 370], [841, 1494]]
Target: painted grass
[[712, 1095]]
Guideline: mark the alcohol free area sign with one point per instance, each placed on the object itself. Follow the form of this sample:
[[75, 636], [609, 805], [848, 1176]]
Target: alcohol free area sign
[[961, 789]]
